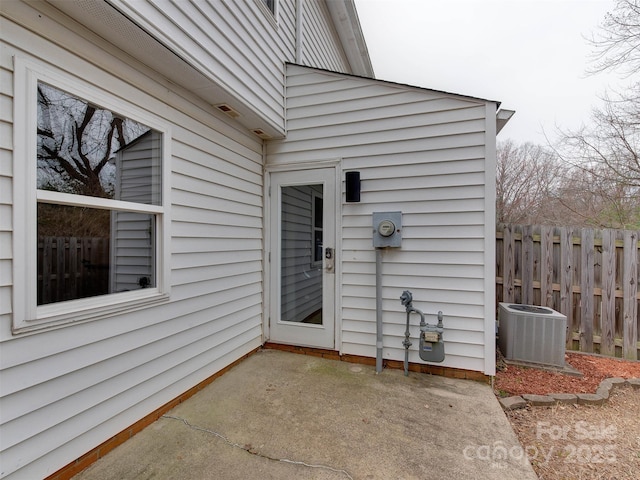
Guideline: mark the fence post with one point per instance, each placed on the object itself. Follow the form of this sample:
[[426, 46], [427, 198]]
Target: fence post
[[608, 316], [566, 280], [630, 296], [586, 291], [546, 266], [527, 264], [508, 267]]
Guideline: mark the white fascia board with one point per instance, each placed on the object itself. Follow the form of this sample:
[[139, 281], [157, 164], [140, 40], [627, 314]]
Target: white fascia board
[[345, 19]]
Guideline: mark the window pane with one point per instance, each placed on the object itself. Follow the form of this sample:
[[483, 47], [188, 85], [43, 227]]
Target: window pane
[[85, 252], [301, 277], [317, 243], [271, 5], [317, 211], [84, 149], [317, 224]]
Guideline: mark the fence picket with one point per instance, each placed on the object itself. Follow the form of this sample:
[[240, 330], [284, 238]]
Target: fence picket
[[607, 346], [73, 264], [566, 280], [586, 290], [630, 302], [71, 268], [508, 266], [527, 263], [60, 270], [546, 266]]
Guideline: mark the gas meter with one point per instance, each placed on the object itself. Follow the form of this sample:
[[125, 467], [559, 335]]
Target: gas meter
[[431, 344]]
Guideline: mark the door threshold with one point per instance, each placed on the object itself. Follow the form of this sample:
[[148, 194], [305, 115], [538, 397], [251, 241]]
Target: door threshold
[[313, 351]]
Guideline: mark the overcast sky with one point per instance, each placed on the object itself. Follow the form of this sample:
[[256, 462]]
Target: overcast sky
[[529, 55]]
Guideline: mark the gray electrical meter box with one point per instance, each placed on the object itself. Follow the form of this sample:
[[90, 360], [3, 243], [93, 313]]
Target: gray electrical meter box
[[387, 229]]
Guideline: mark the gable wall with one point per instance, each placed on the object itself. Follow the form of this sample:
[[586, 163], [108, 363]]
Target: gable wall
[[426, 154], [66, 390]]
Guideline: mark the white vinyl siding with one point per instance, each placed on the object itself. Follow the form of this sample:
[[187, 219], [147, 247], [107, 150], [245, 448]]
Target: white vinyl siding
[[420, 152], [232, 42], [6, 195], [66, 390], [320, 47], [238, 47], [286, 25]]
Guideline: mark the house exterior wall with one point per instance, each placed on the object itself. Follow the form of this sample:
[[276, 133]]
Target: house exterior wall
[[65, 390], [430, 155], [241, 45]]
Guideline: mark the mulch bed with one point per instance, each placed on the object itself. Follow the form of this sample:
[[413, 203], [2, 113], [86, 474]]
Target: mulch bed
[[516, 380]]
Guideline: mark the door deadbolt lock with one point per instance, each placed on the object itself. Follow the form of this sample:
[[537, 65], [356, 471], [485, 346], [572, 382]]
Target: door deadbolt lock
[[328, 259]]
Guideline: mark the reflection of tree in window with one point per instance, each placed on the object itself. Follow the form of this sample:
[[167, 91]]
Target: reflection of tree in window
[[76, 141]]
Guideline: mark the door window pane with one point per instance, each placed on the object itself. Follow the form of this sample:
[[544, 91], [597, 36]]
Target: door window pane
[[301, 274]]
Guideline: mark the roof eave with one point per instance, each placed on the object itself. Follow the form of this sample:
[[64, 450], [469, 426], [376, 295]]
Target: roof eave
[[345, 19], [502, 118]]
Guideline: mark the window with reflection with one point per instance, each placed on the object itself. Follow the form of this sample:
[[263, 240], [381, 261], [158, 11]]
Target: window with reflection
[[86, 152]]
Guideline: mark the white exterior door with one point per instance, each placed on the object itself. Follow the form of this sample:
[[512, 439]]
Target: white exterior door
[[302, 250]]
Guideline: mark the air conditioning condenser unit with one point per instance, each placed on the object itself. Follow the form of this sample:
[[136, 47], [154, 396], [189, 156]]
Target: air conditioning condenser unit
[[532, 334]]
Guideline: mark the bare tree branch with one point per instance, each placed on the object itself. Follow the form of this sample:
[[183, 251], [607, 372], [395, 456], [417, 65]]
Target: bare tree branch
[[76, 141], [617, 42]]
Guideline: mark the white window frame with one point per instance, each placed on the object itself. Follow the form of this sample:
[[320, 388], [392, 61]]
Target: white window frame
[[27, 315], [272, 16]]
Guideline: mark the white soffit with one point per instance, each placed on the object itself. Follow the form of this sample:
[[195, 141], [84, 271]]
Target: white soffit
[[502, 118]]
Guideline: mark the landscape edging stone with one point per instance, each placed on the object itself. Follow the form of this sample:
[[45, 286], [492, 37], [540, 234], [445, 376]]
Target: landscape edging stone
[[600, 397]]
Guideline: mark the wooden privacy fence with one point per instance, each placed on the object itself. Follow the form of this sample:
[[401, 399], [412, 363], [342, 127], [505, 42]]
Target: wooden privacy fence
[[71, 268], [589, 275]]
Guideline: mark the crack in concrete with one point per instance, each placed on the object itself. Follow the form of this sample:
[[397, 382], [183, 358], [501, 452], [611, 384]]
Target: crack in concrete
[[249, 449]]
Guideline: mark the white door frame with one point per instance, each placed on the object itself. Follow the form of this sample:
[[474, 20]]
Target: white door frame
[[332, 299]]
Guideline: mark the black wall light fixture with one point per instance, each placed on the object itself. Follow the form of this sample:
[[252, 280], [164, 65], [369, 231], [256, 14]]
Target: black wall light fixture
[[352, 186]]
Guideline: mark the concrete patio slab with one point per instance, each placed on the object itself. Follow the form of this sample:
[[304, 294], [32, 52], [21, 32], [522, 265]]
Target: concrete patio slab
[[279, 415]]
